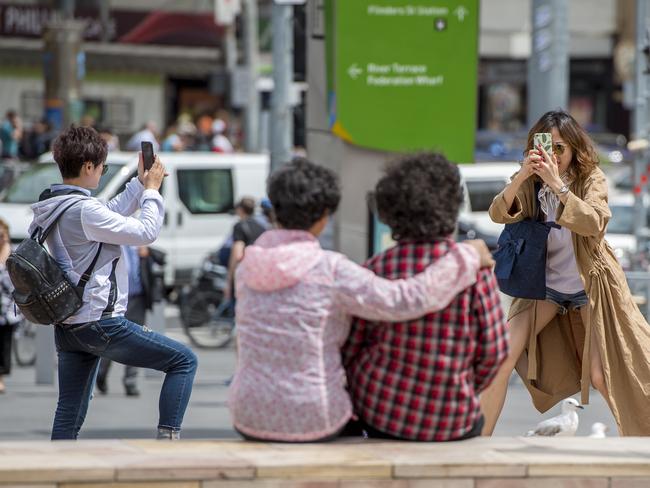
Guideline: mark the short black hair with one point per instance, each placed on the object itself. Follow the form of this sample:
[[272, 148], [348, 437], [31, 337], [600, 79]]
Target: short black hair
[[76, 146], [419, 197], [246, 205], [302, 192]]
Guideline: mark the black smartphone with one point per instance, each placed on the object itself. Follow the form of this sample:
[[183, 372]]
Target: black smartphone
[[147, 154]]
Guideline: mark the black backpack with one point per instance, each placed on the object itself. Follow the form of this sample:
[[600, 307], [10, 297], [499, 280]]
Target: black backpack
[[42, 290]]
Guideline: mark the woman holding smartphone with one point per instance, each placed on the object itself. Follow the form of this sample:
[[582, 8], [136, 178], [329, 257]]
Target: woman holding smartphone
[[588, 330]]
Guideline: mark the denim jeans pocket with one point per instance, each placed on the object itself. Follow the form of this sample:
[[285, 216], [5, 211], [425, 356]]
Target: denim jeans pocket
[[90, 336]]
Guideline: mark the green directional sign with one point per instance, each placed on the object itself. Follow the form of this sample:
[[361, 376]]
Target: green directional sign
[[405, 74]]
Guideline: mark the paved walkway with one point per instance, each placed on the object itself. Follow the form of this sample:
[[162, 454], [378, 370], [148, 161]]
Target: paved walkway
[[27, 409]]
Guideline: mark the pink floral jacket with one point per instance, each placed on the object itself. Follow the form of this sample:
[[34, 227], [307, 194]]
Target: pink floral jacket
[[294, 302]]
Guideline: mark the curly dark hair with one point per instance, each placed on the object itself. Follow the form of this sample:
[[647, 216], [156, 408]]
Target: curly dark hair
[[76, 146], [419, 196], [302, 192]]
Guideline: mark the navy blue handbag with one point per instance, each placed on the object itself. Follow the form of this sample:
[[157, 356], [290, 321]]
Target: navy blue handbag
[[521, 257]]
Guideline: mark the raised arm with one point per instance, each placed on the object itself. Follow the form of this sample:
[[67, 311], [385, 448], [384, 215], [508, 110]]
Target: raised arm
[[366, 295], [507, 206], [103, 225], [128, 201]]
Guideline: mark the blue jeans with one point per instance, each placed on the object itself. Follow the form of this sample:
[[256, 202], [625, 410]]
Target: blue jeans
[[79, 348], [567, 301]]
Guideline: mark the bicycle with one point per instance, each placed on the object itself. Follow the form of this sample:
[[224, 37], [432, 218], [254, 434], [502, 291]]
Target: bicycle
[[212, 326]]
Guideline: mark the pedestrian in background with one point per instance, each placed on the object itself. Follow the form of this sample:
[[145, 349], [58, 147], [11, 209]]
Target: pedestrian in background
[[220, 142], [148, 133], [267, 215], [244, 233], [420, 379], [588, 329], [142, 294], [112, 141], [11, 133], [94, 232], [9, 314]]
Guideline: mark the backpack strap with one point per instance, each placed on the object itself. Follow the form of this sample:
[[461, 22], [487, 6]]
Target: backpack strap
[[47, 231], [85, 277]]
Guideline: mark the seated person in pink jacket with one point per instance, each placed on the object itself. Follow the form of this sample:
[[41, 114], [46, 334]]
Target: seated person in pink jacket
[[294, 306], [420, 379]]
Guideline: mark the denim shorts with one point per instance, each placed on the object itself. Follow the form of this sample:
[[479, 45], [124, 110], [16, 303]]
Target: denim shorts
[[567, 301]]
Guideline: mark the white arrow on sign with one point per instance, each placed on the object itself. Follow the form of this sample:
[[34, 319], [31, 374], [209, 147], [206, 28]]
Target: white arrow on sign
[[354, 71], [461, 12]]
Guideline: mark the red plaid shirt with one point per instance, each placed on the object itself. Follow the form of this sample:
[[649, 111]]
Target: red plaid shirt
[[420, 379]]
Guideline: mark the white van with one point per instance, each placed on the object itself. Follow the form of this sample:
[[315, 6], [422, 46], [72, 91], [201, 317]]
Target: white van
[[200, 193], [483, 182]]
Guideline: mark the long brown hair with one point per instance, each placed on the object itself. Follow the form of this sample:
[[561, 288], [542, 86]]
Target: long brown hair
[[585, 157]]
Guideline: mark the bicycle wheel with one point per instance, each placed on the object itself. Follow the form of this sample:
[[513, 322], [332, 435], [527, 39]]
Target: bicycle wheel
[[196, 307], [24, 343], [217, 331]]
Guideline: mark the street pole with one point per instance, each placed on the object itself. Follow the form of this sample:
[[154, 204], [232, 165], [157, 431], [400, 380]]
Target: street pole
[[281, 114], [252, 113], [64, 67], [640, 118], [104, 17], [548, 66]]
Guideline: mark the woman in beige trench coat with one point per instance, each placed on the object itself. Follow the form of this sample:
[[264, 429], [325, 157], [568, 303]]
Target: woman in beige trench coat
[[605, 342]]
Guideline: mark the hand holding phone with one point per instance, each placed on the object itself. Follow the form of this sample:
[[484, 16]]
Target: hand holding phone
[[545, 139], [148, 157]]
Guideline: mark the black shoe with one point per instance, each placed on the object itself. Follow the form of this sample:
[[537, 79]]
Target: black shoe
[[131, 390], [101, 385]]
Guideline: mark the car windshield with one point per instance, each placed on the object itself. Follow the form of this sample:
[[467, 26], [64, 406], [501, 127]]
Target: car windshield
[[482, 192], [622, 221], [30, 184]]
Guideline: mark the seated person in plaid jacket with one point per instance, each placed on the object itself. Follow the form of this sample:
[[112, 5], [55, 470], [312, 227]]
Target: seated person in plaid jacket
[[420, 379], [294, 302]]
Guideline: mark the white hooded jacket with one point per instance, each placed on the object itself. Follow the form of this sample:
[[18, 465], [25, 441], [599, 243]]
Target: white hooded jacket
[[76, 238]]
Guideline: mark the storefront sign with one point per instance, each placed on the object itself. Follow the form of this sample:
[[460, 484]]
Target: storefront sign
[[123, 26]]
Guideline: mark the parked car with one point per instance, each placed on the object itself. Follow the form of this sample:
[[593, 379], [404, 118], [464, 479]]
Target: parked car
[[200, 193], [483, 182], [620, 229]]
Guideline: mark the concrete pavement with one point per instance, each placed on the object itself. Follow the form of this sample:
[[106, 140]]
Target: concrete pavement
[[27, 409]]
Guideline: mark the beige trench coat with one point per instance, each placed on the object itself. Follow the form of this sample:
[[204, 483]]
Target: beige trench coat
[[555, 364]]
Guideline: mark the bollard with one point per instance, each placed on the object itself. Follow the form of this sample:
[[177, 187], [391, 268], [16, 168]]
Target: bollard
[[45, 355]]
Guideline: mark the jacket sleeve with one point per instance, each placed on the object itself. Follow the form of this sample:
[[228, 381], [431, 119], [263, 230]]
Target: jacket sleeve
[[492, 335], [501, 214], [100, 224], [587, 217], [128, 201], [364, 294]]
